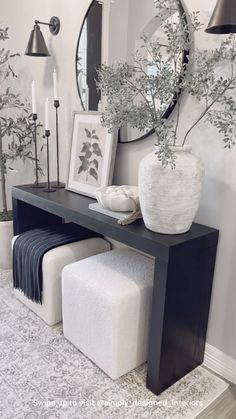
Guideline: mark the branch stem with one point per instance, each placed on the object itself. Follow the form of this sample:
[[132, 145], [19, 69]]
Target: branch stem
[[3, 177], [205, 112]]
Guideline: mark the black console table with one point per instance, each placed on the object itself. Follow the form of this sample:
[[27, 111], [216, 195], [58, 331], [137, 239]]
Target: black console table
[[184, 269]]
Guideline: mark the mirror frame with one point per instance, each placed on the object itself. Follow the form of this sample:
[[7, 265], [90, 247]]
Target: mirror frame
[[170, 108], [76, 54]]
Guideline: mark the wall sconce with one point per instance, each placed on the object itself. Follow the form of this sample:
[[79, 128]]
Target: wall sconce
[[223, 19], [36, 46]]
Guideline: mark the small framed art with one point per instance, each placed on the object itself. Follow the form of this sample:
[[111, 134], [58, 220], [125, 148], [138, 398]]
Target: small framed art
[[92, 157]]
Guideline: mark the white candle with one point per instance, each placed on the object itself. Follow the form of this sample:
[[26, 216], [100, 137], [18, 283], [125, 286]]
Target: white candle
[[55, 84], [46, 114], [100, 106], [33, 98]]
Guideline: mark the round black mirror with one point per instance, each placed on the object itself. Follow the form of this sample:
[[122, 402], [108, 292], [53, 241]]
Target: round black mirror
[[111, 32]]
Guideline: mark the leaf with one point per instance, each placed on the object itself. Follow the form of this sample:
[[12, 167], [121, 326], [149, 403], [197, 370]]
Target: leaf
[[88, 133], [84, 166], [93, 173], [80, 169], [95, 162], [86, 147], [88, 154], [95, 137], [97, 150]]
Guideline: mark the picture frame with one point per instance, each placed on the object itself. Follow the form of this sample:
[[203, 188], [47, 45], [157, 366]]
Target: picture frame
[[92, 156]]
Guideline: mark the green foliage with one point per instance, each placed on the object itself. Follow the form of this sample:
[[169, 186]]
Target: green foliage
[[204, 83], [138, 94], [91, 151], [6, 216], [15, 121]]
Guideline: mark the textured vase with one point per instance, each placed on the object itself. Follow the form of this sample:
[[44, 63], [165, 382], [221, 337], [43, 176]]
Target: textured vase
[[6, 235], [169, 198]]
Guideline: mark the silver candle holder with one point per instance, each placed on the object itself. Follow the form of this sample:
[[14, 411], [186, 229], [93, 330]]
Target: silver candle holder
[[57, 184], [48, 188], [36, 185]]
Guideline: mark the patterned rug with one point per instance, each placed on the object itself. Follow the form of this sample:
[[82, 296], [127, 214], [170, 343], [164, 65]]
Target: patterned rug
[[44, 376]]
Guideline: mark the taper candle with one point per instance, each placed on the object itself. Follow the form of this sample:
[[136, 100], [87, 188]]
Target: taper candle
[[47, 115], [55, 84], [33, 98]]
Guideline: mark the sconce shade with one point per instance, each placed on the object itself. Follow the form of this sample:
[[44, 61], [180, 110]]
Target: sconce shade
[[223, 19], [36, 46]]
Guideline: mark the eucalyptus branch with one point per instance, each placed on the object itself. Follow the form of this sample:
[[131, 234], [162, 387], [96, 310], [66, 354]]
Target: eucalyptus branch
[[154, 108], [204, 113], [138, 90], [143, 96], [149, 50], [138, 68], [178, 108], [206, 96], [156, 75]]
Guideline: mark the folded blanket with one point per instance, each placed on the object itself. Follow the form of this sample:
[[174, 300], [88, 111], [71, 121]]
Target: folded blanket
[[29, 249]]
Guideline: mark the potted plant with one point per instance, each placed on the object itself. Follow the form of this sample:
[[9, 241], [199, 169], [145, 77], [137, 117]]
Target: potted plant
[[170, 178], [15, 143]]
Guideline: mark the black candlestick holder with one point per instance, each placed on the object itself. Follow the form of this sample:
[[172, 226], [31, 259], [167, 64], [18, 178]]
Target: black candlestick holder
[[36, 184], [57, 184], [48, 188]]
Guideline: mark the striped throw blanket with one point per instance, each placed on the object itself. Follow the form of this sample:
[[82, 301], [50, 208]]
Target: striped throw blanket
[[29, 249]]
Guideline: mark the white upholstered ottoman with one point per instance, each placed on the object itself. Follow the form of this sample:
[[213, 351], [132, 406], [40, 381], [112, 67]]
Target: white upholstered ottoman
[[53, 262], [106, 301]]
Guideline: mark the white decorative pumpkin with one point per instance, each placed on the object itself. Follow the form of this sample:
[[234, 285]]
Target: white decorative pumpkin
[[118, 198]]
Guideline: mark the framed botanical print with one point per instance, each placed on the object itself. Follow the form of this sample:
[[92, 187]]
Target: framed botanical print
[[92, 156]]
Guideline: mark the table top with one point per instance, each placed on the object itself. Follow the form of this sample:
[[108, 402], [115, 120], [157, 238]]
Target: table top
[[74, 207]]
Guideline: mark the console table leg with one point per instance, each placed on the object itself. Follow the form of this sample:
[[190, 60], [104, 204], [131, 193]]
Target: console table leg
[[180, 309], [156, 325]]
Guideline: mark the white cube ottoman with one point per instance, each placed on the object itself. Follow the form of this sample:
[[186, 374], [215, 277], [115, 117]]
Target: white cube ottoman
[[106, 301], [53, 262]]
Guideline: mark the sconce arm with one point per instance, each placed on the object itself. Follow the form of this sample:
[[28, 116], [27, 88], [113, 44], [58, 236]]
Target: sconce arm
[[54, 24]]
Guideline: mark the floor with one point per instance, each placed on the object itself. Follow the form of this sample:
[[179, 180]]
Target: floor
[[43, 376], [224, 407]]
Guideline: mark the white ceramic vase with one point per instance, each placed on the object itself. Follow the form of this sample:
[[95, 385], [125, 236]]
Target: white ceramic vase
[[6, 235], [169, 198]]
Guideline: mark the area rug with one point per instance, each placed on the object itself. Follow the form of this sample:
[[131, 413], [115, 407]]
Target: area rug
[[43, 376]]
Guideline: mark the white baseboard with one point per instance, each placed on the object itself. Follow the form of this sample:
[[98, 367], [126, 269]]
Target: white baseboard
[[220, 363]]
